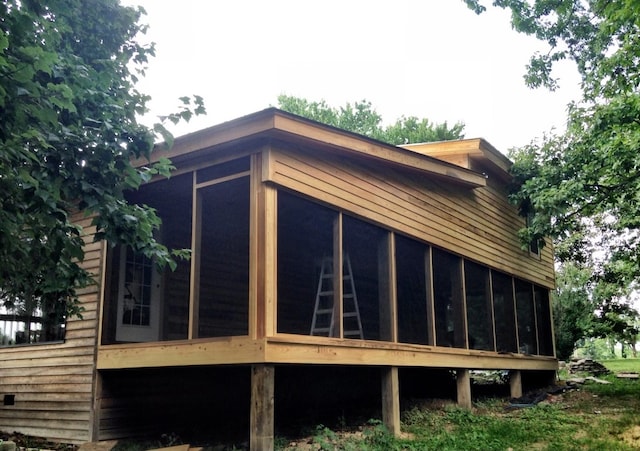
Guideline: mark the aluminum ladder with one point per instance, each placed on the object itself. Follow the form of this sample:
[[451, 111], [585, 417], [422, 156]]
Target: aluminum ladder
[[323, 323]]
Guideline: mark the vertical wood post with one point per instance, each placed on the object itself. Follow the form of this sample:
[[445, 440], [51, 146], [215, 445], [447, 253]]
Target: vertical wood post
[[96, 408], [261, 435], [515, 383], [391, 399], [463, 383]]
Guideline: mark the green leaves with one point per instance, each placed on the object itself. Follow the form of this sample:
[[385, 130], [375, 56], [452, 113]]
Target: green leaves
[[68, 134], [363, 119]]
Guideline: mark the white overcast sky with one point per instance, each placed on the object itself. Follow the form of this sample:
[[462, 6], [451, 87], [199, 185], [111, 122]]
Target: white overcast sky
[[425, 58]]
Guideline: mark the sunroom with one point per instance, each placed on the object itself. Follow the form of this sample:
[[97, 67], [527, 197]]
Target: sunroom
[[313, 246]]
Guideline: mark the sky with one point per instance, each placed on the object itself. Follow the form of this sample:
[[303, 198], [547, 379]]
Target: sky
[[432, 59]]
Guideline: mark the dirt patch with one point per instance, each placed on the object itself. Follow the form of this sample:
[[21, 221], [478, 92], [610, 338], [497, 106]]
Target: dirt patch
[[27, 441], [632, 436]]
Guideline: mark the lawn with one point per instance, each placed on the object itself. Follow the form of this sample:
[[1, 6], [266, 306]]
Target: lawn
[[617, 365]]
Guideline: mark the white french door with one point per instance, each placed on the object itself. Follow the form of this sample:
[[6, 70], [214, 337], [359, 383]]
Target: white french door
[[139, 298]]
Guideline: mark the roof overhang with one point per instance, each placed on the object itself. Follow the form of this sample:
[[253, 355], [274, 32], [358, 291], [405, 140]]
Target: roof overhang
[[273, 123], [480, 154]]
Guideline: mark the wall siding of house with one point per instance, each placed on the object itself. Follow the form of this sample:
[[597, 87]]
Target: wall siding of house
[[478, 224], [53, 383]]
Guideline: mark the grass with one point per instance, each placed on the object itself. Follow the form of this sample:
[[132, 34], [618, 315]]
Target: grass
[[594, 417], [617, 365]]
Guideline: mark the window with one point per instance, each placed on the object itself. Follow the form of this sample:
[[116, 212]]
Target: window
[[525, 311], [412, 276], [22, 323], [504, 312], [534, 245], [223, 258], [543, 320], [308, 236], [478, 302], [448, 300], [145, 305], [305, 241], [365, 247]]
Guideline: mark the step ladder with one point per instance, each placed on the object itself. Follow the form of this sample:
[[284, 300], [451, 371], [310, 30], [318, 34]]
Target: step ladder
[[323, 323]]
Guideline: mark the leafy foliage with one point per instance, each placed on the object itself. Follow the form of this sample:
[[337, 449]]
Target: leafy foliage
[[68, 133], [582, 186], [573, 309], [363, 119]]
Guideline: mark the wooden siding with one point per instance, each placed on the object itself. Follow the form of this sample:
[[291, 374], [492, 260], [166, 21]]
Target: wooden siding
[[53, 383], [478, 224]]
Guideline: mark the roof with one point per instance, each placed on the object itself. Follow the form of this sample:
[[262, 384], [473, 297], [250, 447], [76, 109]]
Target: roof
[[476, 153], [273, 123]]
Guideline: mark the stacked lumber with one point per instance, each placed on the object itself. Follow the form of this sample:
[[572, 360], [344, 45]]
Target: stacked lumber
[[587, 366]]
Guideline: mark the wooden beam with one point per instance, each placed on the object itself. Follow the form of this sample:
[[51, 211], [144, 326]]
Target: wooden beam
[[431, 308], [194, 279], [261, 434], [96, 407], [387, 290], [391, 399], [463, 385], [256, 238], [204, 351], [270, 258], [515, 383], [492, 310], [535, 319], [338, 288], [302, 349], [103, 289]]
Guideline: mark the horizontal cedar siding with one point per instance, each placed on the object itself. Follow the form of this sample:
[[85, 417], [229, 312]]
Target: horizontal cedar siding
[[53, 383], [478, 223]]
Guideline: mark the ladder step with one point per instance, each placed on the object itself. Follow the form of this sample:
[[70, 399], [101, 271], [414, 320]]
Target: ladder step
[[351, 332], [325, 293], [350, 315], [321, 329], [324, 311]]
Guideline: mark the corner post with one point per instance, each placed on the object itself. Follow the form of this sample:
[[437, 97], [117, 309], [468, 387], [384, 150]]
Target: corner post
[[261, 435], [391, 399], [463, 385]]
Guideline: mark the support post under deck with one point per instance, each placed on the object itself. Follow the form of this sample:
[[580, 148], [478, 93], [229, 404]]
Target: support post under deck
[[515, 383], [391, 399], [463, 385], [262, 407]]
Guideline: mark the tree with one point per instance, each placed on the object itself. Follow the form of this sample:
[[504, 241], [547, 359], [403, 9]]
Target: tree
[[573, 309], [582, 186], [363, 119], [68, 133]]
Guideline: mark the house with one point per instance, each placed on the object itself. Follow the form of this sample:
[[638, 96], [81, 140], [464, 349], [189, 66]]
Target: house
[[318, 257]]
